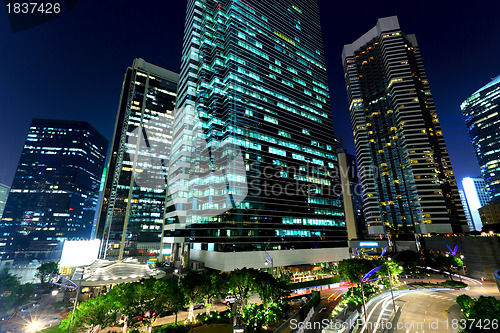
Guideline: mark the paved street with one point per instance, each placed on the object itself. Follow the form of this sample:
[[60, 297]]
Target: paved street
[[427, 312], [329, 300], [422, 310]]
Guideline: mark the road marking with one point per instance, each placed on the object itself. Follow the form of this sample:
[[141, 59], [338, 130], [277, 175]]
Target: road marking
[[332, 295], [445, 315]]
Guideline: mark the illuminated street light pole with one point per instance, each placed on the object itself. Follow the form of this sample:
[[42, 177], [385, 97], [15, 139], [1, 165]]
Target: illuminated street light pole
[[269, 260], [390, 282], [363, 297], [76, 300], [362, 280], [390, 276]]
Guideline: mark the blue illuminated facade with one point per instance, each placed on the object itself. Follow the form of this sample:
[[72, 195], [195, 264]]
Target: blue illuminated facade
[[254, 83], [55, 189], [476, 197], [482, 116]]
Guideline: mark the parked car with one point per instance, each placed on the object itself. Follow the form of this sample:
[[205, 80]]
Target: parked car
[[230, 299], [200, 305], [196, 306]]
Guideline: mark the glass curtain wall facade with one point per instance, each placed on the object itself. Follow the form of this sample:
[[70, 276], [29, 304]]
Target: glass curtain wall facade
[[406, 176], [481, 112], [132, 209], [55, 189], [255, 155], [468, 216], [477, 197], [4, 194]]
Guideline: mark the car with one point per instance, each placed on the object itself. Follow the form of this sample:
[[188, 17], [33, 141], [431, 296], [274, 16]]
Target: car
[[230, 299], [200, 305], [196, 306]]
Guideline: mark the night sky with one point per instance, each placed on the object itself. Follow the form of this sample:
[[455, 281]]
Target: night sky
[[72, 67]]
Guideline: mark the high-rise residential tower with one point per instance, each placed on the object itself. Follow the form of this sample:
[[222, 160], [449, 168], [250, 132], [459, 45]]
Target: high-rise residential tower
[[406, 175], [482, 116], [477, 197], [132, 208], [55, 189], [254, 163]]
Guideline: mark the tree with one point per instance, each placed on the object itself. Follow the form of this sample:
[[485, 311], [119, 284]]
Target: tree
[[193, 285], [241, 283], [45, 269], [479, 312], [448, 263], [216, 285], [143, 302], [465, 302], [95, 314], [352, 269], [12, 293], [256, 316], [271, 289], [409, 260], [123, 296], [394, 270], [354, 296]]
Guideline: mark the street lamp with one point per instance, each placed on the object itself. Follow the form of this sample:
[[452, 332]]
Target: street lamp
[[34, 326], [268, 261], [363, 280], [390, 276], [390, 282], [76, 300]]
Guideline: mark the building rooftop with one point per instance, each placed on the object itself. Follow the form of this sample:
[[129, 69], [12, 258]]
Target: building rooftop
[[493, 82]]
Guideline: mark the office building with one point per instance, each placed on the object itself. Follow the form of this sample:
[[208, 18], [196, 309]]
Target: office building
[[468, 216], [255, 155], [405, 170], [54, 193], [490, 216], [4, 194], [477, 196], [481, 112], [353, 203], [130, 221]]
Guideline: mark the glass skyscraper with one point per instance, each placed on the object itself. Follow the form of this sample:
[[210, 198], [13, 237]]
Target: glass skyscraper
[[481, 112], [55, 189], [477, 197], [254, 163], [4, 194], [406, 175], [130, 222], [468, 216]]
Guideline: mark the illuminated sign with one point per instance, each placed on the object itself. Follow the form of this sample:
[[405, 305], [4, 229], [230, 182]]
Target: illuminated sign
[[368, 244], [79, 253]]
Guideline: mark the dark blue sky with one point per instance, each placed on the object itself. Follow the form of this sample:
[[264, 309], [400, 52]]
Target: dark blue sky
[[73, 67]]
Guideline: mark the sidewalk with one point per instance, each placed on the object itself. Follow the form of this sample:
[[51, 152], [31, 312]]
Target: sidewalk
[[181, 316]]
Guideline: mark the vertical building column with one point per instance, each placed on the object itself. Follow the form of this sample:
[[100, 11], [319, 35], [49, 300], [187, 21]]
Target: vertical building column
[[350, 216]]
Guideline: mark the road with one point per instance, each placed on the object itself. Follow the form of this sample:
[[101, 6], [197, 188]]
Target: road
[[423, 310], [428, 312], [329, 300]]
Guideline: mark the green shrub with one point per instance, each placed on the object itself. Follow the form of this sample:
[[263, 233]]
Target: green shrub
[[172, 328], [214, 317], [455, 284]]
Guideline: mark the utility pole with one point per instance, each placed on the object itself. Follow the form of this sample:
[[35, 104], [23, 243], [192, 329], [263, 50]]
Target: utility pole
[[76, 300], [362, 296]]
